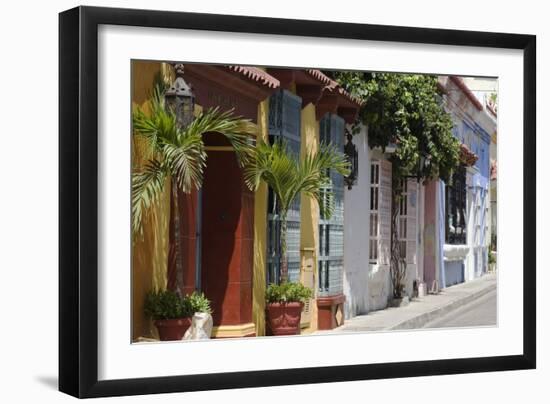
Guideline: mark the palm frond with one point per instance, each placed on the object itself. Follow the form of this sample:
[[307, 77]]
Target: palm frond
[[158, 127], [289, 177], [239, 132], [147, 186], [278, 168], [186, 160], [314, 176]]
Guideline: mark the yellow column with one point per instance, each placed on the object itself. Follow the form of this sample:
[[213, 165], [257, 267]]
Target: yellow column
[[309, 212], [150, 249], [260, 233]]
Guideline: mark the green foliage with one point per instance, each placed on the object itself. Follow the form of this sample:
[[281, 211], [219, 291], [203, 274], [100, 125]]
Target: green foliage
[[164, 305], [288, 177], [197, 303], [167, 304], [404, 109], [288, 292], [179, 153], [491, 257]]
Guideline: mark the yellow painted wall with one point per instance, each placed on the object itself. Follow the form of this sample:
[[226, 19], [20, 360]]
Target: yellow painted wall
[[149, 250], [260, 233], [309, 212]]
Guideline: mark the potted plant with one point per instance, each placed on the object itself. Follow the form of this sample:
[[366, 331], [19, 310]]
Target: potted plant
[[284, 307], [289, 176], [492, 261], [172, 313]]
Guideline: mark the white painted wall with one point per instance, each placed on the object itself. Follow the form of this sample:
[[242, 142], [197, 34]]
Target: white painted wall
[[469, 267], [356, 234]]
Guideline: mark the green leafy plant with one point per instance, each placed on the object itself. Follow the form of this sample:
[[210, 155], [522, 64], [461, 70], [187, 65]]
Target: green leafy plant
[[288, 292], [197, 303], [288, 177], [163, 305], [491, 257]]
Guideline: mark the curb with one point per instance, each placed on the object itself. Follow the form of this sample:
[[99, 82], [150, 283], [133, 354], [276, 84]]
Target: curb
[[424, 318]]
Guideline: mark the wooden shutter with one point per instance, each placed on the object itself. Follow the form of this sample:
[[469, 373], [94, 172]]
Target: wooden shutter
[[412, 232], [384, 212], [331, 230], [285, 111]]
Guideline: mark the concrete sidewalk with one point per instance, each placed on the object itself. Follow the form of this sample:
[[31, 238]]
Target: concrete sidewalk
[[420, 311]]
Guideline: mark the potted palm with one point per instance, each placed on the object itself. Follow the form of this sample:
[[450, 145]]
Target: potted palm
[[172, 314], [289, 177]]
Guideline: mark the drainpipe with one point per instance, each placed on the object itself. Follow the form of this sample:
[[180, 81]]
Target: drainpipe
[[198, 242]]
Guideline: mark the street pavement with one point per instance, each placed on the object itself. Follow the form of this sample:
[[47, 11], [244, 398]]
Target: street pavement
[[471, 303], [480, 312]]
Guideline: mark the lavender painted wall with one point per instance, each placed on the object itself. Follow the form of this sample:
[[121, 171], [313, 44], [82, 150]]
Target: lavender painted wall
[[430, 234]]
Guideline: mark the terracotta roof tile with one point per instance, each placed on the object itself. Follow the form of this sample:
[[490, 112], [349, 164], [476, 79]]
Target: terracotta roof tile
[[256, 74], [467, 156], [466, 90], [332, 85]]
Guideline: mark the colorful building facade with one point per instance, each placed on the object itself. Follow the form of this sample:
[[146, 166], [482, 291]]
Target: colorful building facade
[[229, 237], [465, 201]]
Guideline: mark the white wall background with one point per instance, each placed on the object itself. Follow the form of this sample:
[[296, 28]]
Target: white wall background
[[28, 214], [356, 233]]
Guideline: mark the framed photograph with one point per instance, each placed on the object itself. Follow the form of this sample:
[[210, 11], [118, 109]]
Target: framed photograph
[[251, 201]]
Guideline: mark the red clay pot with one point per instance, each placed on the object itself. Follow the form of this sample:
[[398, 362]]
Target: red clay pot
[[172, 329], [284, 318]]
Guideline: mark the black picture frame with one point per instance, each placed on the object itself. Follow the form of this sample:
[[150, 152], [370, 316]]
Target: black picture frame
[[78, 201]]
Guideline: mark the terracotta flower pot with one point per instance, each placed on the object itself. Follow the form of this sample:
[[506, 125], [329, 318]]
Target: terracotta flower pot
[[172, 329], [284, 318]]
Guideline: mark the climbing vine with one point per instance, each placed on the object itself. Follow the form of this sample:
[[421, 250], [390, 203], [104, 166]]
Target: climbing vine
[[404, 111]]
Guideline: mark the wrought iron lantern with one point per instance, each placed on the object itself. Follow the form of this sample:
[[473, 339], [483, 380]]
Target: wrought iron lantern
[[350, 150], [180, 99], [422, 163]]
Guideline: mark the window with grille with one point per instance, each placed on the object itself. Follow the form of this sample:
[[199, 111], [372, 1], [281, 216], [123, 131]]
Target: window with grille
[[455, 208], [407, 228], [284, 125], [380, 212], [374, 215], [402, 220], [331, 229]]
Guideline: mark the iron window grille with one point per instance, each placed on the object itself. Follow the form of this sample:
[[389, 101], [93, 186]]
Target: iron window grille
[[374, 231], [331, 229], [455, 208], [284, 125]]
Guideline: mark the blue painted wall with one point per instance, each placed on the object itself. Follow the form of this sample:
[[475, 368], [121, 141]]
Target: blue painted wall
[[454, 272], [478, 140]]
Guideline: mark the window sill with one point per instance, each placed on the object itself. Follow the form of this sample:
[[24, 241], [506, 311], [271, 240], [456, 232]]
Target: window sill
[[455, 252]]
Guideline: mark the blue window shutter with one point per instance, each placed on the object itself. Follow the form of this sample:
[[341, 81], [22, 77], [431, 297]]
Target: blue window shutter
[[331, 229], [285, 111]]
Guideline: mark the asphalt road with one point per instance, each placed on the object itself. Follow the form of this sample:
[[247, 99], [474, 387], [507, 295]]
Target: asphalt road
[[480, 312]]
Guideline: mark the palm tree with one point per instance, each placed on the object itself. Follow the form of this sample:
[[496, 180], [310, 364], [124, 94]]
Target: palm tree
[[288, 177], [179, 153]]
